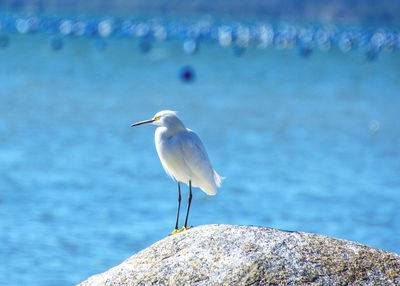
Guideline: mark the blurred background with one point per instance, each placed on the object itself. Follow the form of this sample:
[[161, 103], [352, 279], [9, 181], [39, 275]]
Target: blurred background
[[297, 103]]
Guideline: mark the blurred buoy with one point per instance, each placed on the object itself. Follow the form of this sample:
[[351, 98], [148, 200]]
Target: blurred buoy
[[305, 51], [4, 41], [238, 51], [78, 28], [187, 74], [372, 53], [144, 46], [65, 27], [56, 43], [190, 47], [105, 28], [345, 43], [160, 33]]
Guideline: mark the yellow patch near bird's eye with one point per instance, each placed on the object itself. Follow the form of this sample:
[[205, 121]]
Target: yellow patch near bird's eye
[[156, 118]]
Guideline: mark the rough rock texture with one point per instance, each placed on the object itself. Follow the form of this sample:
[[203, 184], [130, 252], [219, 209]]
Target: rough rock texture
[[249, 255]]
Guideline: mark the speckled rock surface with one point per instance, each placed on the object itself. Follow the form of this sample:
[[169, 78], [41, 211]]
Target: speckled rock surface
[[249, 255]]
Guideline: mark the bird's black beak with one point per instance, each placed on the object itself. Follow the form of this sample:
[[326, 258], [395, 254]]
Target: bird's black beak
[[143, 122]]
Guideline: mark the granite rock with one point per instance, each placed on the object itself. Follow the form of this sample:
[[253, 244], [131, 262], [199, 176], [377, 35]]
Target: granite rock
[[250, 255]]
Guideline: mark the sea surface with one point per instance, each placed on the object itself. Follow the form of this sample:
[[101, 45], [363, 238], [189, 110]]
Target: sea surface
[[305, 143]]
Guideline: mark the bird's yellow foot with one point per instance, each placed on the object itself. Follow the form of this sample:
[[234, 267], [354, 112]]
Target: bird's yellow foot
[[184, 228], [175, 231]]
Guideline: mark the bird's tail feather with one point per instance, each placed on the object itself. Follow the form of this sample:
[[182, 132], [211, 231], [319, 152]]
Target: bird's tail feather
[[211, 189], [218, 179]]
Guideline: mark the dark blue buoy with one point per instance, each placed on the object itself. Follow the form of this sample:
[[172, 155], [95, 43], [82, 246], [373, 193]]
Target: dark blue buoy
[[4, 41], [56, 43], [144, 46], [305, 51], [238, 51], [187, 74], [372, 53]]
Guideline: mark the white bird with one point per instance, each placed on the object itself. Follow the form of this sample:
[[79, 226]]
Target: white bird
[[183, 157]]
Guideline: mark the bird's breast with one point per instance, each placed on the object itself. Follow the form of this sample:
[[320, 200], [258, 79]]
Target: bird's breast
[[171, 156]]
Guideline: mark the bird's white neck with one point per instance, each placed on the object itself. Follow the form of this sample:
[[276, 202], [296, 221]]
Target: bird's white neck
[[171, 127]]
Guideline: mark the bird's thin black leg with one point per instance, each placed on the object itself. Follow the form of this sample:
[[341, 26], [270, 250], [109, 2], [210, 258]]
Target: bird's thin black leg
[[179, 205], [176, 230], [190, 200]]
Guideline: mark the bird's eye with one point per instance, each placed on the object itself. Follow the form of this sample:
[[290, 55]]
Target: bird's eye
[[156, 118]]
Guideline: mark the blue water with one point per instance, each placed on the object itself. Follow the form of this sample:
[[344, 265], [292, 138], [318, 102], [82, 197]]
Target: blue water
[[309, 144]]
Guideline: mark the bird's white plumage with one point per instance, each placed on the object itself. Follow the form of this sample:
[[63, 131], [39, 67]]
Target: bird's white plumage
[[184, 158], [182, 153]]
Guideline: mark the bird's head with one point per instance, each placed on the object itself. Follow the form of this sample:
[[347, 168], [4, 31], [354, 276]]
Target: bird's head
[[166, 118]]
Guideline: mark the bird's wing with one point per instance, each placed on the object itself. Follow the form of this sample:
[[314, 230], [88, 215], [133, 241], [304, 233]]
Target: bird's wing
[[196, 159]]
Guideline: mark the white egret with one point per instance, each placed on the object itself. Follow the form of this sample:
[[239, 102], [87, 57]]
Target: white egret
[[183, 157]]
